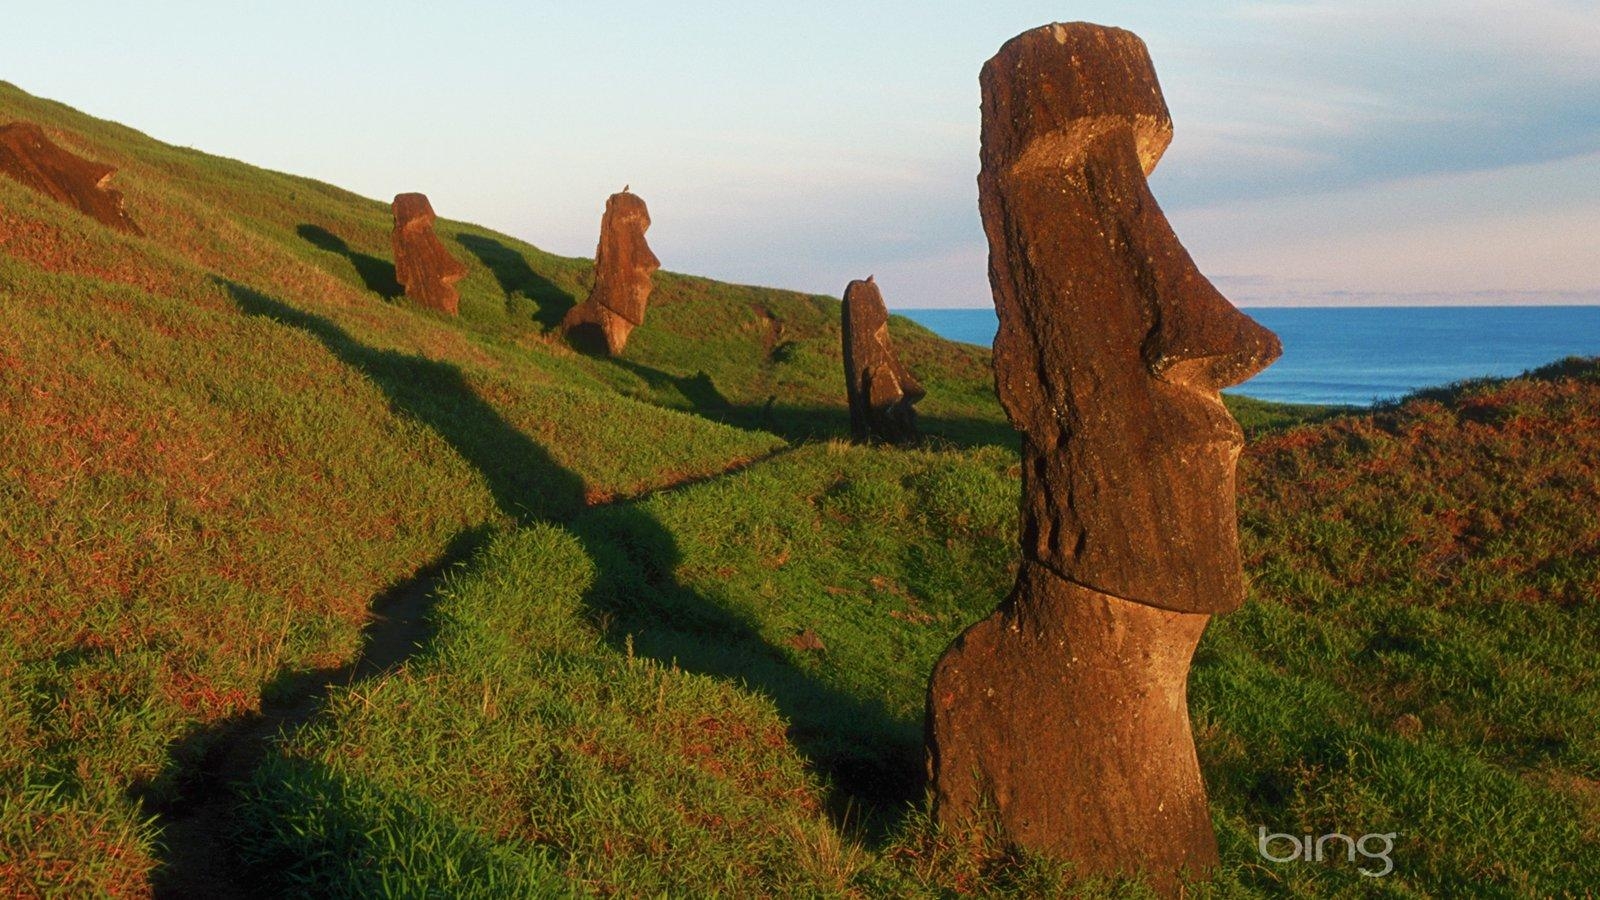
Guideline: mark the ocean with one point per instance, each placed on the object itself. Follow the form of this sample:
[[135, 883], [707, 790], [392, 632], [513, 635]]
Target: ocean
[[1360, 355]]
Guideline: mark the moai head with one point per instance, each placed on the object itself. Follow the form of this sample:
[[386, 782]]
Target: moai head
[[881, 391], [28, 155], [624, 262], [422, 265], [413, 212], [1112, 345]]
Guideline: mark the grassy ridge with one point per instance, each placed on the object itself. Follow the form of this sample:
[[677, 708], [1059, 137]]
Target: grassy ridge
[[225, 438]]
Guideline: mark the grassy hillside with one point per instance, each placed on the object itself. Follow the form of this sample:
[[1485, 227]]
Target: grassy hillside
[[682, 631]]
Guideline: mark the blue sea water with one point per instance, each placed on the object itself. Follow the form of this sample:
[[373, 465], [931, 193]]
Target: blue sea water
[[1358, 355]]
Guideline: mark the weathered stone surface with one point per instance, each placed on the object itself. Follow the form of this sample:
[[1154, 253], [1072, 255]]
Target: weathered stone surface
[[881, 392], [623, 265], [422, 265], [28, 155], [1067, 706]]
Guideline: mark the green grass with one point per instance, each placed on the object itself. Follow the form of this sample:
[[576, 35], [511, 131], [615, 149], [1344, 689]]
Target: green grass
[[1358, 616], [224, 440]]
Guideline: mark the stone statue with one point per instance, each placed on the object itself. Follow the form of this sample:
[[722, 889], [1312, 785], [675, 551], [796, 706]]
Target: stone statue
[[29, 156], [1066, 709], [880, 390], [422, 265], [623, 265]]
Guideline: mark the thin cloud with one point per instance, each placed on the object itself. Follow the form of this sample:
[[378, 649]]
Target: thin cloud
[[1343, 94]]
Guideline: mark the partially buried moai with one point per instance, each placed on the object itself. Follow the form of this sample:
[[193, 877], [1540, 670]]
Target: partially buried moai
[[1066, 709], [422, 265], [623, 266], [881, 392], [28, 155]]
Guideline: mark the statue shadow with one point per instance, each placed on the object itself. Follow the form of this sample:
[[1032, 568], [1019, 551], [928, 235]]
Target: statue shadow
[[589, 339], [526, 482], [377, 274], [515, 276], [871, 762], [698, 389], [803, 423], [195, 797]]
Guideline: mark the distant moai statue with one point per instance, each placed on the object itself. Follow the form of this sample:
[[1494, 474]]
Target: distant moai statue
[[882, 393], [422, 265], [28, 155], [1067, 708], [623, 266]]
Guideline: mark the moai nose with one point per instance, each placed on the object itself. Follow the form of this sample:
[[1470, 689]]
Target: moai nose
[[1203, 341]]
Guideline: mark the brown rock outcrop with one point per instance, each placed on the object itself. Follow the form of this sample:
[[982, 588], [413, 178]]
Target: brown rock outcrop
[[881, 392], [422, 265], [28, 155], [623, 265], [1066, 707]]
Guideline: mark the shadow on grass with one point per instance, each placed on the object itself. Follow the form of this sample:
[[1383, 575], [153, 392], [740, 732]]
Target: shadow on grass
[[194, 799], [797, 424], [378, 274], [526, 482], [511, 269], [636, 558], [800, 422], [354, 816], [873, 763], [698, 389]]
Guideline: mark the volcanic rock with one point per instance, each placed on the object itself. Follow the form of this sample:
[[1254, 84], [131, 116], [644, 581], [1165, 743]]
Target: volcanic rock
[[422, 265], [1066, 708], [881, 391], [28, 155], [623, 265]]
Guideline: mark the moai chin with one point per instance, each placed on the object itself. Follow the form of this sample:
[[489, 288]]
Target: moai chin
[[623, 266], [28, 155], [880, 390], [422, 265], [1066, 709]]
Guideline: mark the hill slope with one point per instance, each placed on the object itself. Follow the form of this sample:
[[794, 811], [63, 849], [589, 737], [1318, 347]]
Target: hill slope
[[680, 637], [226, 437]]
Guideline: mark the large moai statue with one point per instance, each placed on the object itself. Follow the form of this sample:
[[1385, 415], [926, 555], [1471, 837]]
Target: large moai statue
[[28, 155], [881, 392], [422, 265], [623, 265], [1066, 709]]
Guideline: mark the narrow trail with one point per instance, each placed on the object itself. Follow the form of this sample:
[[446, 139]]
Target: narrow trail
[[196, 826], [597, 500]]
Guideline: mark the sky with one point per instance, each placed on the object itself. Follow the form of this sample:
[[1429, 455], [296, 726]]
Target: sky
[[1326, 153]]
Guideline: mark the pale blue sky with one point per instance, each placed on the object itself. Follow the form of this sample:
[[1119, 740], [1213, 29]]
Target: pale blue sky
[[1348, 152]]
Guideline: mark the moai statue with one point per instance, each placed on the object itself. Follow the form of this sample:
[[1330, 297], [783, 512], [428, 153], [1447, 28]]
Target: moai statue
[[881, 391], [422, 265], [1064, 713], [29, 156], [623, 265]]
